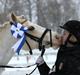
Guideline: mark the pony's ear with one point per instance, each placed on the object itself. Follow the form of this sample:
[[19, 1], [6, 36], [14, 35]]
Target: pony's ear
[[13, 16]]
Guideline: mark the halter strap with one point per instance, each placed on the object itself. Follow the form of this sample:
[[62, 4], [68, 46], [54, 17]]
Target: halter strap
[[42, 37], [37, 39]]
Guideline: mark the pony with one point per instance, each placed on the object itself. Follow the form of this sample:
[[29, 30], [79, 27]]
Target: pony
[[38, 32], [7, 40]]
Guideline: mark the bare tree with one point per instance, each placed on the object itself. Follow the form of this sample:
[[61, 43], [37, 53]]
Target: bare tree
[[41, 17], [29, 8], [49, 13]]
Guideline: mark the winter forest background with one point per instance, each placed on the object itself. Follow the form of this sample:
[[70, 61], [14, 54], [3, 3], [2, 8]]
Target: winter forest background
[[47, 13]]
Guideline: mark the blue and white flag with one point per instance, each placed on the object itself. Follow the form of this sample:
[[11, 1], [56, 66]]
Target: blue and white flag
[[18, 31]]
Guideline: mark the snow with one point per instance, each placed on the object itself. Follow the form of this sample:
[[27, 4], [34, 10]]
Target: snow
[[25, 59]]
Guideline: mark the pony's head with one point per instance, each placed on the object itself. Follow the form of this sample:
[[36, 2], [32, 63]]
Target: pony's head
[[38, 31]]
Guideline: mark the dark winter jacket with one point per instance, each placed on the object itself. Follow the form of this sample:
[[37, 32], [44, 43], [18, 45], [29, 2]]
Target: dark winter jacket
[[70, 57]]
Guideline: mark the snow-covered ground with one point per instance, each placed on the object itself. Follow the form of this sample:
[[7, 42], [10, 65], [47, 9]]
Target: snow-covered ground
[[25, 59]]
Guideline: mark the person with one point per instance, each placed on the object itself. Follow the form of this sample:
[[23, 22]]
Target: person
[[68, 56]]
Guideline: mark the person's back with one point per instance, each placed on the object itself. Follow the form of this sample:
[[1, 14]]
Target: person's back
[[68, 61]]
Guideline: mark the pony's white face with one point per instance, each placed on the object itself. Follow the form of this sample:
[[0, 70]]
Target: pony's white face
[[38, 31]]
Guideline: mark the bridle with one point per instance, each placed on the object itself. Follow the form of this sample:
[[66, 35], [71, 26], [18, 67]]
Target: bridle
[[37, 39]]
